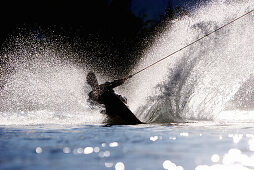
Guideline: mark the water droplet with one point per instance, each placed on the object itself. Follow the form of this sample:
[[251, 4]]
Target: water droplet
[[215, 158], [38, 150], [119, 166], [66, 150], [113, 144], [88, 150]]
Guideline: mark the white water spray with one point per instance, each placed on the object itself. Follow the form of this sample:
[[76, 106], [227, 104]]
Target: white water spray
[[203, 81], [43, 87], [210, 80]]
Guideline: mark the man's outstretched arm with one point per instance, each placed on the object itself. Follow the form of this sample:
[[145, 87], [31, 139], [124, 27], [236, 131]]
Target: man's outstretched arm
[[115, 83]]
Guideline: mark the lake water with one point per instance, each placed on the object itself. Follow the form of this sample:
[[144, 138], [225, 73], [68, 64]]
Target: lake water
[[46, 122], [197, 145]]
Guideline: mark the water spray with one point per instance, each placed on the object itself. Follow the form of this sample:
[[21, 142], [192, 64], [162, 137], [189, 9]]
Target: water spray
[[192, 43]]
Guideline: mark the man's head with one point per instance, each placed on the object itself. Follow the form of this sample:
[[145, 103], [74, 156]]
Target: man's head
[[92, 80]]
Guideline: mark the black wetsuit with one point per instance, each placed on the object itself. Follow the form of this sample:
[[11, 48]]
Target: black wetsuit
[[97, 95], [116, 112]]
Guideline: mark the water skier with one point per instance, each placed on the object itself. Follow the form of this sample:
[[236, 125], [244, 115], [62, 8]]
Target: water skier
[[116, 110]]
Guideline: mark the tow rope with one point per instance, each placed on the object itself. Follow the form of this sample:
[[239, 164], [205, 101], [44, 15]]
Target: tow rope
[[190, 44]]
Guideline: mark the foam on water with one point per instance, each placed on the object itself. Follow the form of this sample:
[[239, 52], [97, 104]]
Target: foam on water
[[208, 78]]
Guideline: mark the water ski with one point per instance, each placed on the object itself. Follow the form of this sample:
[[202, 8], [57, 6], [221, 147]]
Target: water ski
[[117, 111]]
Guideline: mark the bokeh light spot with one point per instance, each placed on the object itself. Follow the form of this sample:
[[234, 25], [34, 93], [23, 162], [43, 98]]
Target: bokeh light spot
[[119, 166], [38, 150]]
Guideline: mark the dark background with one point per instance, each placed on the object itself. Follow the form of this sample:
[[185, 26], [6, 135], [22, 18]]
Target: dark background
[[108, 34]]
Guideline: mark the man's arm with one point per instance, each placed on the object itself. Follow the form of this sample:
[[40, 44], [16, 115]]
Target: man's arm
[[115, 83]]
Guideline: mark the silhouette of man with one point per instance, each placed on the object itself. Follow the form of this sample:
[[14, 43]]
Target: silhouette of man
[[116, 111], [99, 90]]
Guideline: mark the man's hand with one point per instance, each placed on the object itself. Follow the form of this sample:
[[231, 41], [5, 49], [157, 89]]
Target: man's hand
[[126, 78], [122, 80]]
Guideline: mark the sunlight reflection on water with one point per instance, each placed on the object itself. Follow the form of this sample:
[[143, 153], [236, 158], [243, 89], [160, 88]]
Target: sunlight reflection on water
[[171, 166], [234, 159], [186, 146]]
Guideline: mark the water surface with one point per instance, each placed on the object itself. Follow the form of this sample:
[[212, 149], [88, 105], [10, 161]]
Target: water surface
[[142, 147]]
